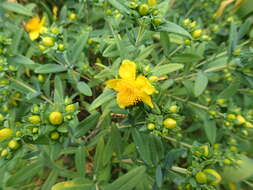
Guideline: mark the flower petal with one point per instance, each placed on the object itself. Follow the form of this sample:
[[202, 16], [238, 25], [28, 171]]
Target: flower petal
[[143, 83], [147, 100], [127, 70], [33, 24], [34, 34], [114, 84]]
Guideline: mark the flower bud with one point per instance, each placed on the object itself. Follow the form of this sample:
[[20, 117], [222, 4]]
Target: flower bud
[[143, 9], [54, 135], [34, 119], [5, 133], [169, 123], [70, 108], [151, 126], [173, 108], [55, 118], [61, 47], [197, 33], [201, 178], [48, 41], [13, 144], [151, 3], [240, 120]]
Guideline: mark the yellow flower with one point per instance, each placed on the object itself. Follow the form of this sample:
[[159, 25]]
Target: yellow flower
[[35, 26], [131, 90]]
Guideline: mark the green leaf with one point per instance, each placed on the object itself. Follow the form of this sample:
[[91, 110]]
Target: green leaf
[[210, 130], [101, 99], [159, 176], [80, 161], [82, 184], [233, 38], [129, 180], [142, 145], [118, 5], [186, 58], [165, 42], [171, 27], [16, 8], [29, 171], [78, 46], [245, 8], [51, 179], [162, 70], [200, 84], [58, 90], [22, 60], [240, 173], [84, 88], [50, 68], [87, 124], [230, 90]]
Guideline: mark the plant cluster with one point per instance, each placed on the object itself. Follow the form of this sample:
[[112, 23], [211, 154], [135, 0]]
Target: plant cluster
[[126, 94]]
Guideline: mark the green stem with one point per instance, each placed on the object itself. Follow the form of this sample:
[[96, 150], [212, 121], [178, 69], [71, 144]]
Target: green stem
[[30, 89]]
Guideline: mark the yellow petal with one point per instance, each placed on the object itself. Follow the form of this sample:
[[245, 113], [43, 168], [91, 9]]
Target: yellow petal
[[128, 97], [32, 24], [127, 70], [147, 100], [144, 85], [34, 34], [113, 84]]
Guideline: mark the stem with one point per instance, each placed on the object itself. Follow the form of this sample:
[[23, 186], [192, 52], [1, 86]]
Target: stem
[[31, 90], [140, 32], [176, 141], [248, 183]]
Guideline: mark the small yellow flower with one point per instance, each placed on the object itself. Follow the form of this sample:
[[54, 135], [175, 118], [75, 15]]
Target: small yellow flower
[[131, 90], [35, 26]]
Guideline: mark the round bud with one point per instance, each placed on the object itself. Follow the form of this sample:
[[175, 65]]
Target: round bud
[[55, 118], [72, 16], [34, 119], [173, 108], [186, 22], [201, 178], [13, 144], [41, 47], [70, 108], [1, 117], [151, 126], [40, 78], [227, 161], [61, 47], [5, 133], [197, 33], [54, 135], [231, 117], [5, 152], [35, 130], [248, 124], [169, 123], [157, 21], [143, 9], [55, 30], [187, 42], [48, 41], [151, 3], [240, 120], [233, 148]]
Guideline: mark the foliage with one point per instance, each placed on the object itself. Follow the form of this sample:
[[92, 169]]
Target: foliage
[[126, 95]]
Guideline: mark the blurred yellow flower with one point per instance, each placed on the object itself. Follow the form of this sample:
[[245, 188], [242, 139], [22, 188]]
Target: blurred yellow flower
[[5, 133], [131, 90], [35, 26]]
